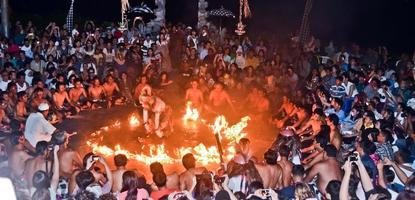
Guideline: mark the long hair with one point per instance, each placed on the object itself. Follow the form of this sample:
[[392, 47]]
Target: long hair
[[303, 191], [130, 183]]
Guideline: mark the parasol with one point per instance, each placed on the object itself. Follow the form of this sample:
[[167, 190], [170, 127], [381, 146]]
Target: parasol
[[221, 13], [142, 12]]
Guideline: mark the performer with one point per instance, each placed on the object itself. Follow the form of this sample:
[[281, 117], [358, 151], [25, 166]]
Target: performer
[[157, 106]]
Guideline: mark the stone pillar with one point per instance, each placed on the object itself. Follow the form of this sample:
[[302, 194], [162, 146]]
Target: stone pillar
[[5, 17], [202, 13]]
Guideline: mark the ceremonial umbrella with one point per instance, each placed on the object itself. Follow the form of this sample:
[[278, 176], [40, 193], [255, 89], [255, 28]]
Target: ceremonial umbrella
[[221, 13], [142, 11]]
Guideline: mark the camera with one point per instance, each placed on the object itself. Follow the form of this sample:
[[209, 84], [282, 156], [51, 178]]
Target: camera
[[63, 189], [219, 179], [353, 156]]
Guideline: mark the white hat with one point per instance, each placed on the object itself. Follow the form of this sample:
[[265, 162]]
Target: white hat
[[43, 107]]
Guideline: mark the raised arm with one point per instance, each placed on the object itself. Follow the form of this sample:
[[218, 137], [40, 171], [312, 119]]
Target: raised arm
[[344, 188], [399, 172], [55, 177], [364, 176]]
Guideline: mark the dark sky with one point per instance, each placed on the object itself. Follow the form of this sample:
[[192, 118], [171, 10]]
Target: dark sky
[[368, 22]]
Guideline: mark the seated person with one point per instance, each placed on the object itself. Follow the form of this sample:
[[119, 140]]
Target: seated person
[[21, 110], [112, 92], [78, 96], [62, 102], [96, 94]]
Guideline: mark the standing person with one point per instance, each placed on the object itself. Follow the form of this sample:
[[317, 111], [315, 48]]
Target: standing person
[[37, 127], [157, 106], [120, 162], [195, 95], [69, 160], [297, 174], [220, 100], [271, 173], [39, 162]]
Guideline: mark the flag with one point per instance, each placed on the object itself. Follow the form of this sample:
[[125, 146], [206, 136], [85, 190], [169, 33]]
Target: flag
[[69, 18]]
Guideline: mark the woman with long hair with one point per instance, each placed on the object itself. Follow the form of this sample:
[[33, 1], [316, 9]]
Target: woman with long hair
[[133, 187]]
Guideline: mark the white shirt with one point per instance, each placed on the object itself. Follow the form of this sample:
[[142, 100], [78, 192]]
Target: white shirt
[[22, 88], [348, 87], [3, 85], [27, 51], [38, 129]]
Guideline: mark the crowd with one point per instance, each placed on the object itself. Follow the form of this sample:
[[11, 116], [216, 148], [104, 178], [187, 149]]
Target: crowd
[[343, 116]]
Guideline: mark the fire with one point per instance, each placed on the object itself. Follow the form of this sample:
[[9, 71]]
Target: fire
[[191, 113], [233, 133], [151, 153], [133, 120]]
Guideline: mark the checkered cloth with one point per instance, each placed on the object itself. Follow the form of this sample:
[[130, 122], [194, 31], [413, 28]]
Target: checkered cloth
[[69, 17]]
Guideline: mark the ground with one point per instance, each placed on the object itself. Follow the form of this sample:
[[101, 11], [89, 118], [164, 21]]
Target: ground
[[136, 141]]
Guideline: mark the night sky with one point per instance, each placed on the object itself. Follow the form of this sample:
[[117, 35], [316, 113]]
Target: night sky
[[367, 22]]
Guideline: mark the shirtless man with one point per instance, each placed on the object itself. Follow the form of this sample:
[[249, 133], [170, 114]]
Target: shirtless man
[[219, 99], [39, 84], [143, 88], [271, 173], [262, 103], [286, 165], [62, 102], [77, 95], [69, 160], [120, 162], [315, 122], [21, 110], [326, 170], [186, 178], [18, 157], [286, 110], [96, 92], [37, 163], [111, 90], [37, 99], [335, 137], [195, 95]]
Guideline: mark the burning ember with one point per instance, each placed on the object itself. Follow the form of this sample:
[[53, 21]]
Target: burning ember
[[191, 113], [133, 121]]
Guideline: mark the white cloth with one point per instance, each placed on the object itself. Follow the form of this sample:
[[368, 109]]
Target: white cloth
[[3, 85], [27, 51], [7, 189], [22, 88], [38, 129], [348, 87], [158, 107]]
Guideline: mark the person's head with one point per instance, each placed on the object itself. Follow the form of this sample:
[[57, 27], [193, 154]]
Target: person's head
[[194, 84], [297, 173], [339, 80], [22, 96], [384, 136], [41, 194], [303, 192], [120, 160], [333, 190], [406, 195], [41, 148], [330, 151], [254, 186], [84, 179], [244, 146], [108, 196], [44, 109], [337, 103], [321, 140], [85, 195], [222, 195], [218, 86], [156, 167], [41, 180], [131, 182], [189, 161], [77, 83], [160, 179], [271, 157], [284, 151], [61, 87], [96, 82], [109, 79], [333, 120], [17, 137]]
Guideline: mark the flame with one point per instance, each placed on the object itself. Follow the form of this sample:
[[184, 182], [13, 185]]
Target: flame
[[233, 133], [191, 113], [152, 153], [133, 120]]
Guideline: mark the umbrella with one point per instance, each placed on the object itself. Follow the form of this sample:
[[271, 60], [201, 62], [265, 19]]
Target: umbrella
[[142, 11], [221, 12]]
